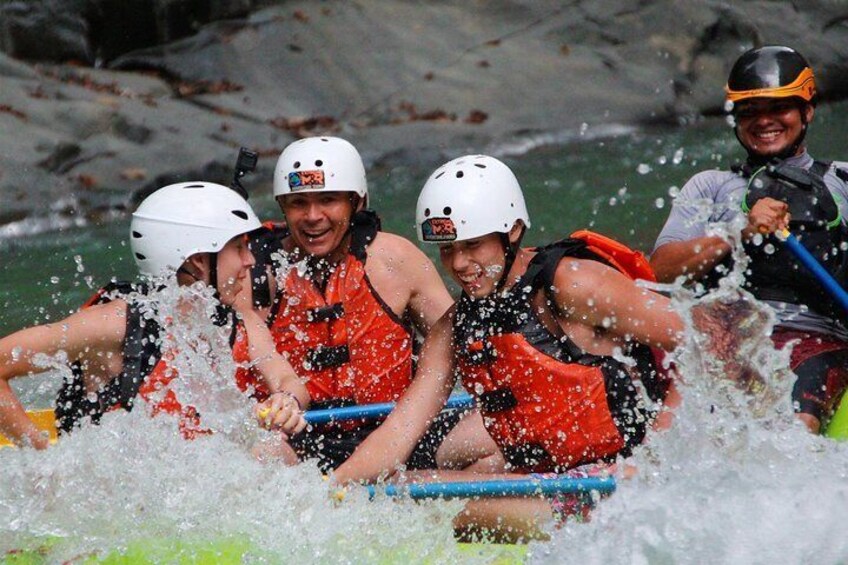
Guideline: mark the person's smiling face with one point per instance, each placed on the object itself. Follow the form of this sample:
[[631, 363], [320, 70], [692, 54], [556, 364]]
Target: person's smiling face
[[476, 264], [318, 221], [768, 127]]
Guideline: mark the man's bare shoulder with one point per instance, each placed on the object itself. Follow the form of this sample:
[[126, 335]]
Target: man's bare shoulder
[[582, 272], [389, 248]]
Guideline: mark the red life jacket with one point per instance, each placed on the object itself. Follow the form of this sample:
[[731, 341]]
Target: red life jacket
[[157, 403], [144, 373], [546, 403], [345, 340]]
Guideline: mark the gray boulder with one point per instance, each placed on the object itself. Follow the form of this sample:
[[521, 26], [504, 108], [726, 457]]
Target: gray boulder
[[186, 82]]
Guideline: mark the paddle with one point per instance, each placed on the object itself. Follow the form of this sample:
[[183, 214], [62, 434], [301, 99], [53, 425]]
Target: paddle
[[820, 273], [498, 488], [366, 411], [45, 419]]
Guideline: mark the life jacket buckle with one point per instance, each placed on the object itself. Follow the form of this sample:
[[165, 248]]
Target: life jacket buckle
[[498, 400], [327, 357], [325, 313]]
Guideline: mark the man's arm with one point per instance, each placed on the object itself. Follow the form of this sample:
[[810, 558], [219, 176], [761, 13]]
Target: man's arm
[[392, 443], [694, 258], [94, 335], [405, 264], [594, 294], [275, 370], [697, 257]]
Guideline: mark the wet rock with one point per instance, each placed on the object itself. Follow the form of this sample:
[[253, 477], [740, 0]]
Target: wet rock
[[43, 31], [189, 82]]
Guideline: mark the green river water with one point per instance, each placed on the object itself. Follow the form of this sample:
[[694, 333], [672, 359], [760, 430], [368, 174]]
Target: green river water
[[618, 185]]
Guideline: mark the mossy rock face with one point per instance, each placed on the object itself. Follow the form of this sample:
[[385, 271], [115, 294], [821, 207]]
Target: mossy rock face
[[172, 96]]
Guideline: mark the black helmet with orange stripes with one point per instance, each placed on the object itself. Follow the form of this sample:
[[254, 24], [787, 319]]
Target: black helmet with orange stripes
[[771, 72]]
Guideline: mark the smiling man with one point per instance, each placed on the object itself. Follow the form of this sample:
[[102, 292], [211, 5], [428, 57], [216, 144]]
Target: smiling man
[[345, 310], [771, 93]]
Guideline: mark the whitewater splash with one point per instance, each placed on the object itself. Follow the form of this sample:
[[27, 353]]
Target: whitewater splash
[[134, 479], [735, 480]]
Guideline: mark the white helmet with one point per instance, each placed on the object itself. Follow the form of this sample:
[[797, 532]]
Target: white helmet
[[469, 197], [182, 219], [318, 164]]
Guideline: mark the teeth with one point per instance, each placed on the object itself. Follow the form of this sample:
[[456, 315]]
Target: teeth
[[469, 278], [767, 134]]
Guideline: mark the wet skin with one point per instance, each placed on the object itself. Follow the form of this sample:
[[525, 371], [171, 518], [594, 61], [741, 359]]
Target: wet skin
[[476, 264], [318, 222], [234, 263], [769, 126]]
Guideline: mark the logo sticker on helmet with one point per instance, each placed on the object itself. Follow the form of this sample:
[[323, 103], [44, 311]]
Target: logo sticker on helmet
[[301, 180], [438, 229]]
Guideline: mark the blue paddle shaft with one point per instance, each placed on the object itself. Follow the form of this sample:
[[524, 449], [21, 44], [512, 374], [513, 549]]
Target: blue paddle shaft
[[498, 488], [819, 272], [370, 411]]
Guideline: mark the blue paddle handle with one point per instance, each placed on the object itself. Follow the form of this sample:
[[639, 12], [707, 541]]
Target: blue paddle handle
[[370, 411], [820, 273], [498, 488]]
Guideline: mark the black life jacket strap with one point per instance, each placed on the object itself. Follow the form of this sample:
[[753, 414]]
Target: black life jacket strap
[[364, 227], [322, 358], [325, 313], [498, 400], [525, 455], [264, 243], [819, 168], [141, 352]]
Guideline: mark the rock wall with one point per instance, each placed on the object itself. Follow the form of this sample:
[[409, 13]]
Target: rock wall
[[102, 101]]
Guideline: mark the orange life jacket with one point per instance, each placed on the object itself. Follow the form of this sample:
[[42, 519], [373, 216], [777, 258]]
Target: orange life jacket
[[546, 403], [158, 403], [345, 340], [144, 373]]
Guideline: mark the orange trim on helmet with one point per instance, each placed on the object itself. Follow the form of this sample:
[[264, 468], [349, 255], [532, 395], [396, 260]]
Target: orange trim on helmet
[[803, 87]]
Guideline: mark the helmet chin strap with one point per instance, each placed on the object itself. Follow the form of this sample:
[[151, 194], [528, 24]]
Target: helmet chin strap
[[510, 253], [222, 313]]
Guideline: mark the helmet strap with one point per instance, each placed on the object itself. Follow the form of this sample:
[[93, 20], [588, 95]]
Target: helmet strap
[[510, 253], [223, 313]]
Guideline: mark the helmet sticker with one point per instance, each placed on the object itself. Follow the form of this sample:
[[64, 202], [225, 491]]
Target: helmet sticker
[[438, 229], [300, 180]]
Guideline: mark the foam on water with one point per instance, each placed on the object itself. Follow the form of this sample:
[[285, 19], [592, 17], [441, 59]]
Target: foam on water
[[736, 479], [134, 478]]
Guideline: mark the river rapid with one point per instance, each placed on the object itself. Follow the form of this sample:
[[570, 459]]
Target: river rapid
[[735, 480]]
